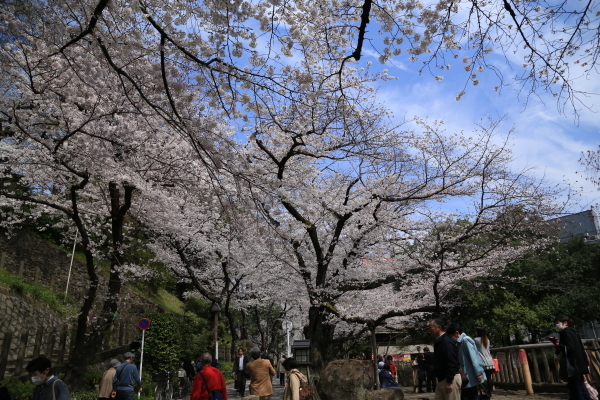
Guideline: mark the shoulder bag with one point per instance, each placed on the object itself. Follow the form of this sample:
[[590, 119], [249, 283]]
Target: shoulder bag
[[306, 391]]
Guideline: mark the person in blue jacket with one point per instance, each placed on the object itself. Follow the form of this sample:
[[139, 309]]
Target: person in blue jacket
[[125, 377], [47, 386], [470, 361]]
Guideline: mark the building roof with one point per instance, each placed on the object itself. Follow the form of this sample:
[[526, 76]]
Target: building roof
[[584, 224]]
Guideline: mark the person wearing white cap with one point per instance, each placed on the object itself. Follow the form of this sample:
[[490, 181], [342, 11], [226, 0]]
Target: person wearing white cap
[[106, 383]]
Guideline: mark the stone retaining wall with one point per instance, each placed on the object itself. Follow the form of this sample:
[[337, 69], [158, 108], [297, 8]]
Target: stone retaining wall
[[32, 257]]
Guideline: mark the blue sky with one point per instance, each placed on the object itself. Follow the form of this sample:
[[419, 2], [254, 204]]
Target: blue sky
[[543, 138]]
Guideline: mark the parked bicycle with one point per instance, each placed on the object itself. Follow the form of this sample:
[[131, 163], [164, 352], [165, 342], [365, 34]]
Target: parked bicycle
[[183, 384], [163, 389]]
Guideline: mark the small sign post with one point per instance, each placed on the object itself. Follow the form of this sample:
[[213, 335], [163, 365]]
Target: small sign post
[[143, 324]]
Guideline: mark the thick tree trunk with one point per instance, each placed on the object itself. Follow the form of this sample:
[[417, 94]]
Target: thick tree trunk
[[244, 328], [90, 334], [85, 343], [232, 328], [320, 334]]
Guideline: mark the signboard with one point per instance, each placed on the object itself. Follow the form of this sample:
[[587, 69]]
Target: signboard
[[144, 324]]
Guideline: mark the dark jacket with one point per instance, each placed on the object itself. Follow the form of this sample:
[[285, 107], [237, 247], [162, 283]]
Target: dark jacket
[[445, 356], [236, 364], [126, 376], [428, 361], [52, 389], [575, 351], [386, 379]]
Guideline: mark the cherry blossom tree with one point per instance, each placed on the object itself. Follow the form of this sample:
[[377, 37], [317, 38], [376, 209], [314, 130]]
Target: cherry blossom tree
[[65, 154], [345, 194], [250, 132]]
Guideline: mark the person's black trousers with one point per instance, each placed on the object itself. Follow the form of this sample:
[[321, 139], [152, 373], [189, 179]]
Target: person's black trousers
[[124, 394], [577, 389], [431, 382], [488, 384], [282, 378], [240, 382], [469, 393]]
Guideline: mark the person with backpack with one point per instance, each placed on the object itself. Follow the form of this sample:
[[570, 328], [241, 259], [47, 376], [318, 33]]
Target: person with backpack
[[296, 385], [47, 386], [209, 383], [125, 378]]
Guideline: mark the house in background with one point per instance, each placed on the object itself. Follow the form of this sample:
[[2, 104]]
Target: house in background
[[584, 224]]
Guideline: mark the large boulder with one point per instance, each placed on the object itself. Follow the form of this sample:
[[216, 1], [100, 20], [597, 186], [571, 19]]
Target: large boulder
[[394, 393], [346, 380]]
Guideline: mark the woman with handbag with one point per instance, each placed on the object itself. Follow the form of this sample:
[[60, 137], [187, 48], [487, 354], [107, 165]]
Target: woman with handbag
[[573, 361], [470, 362], [296, 382], [483, 346]]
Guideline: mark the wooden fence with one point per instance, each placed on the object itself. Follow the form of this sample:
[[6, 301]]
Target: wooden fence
[[541, 361], [54, 344]]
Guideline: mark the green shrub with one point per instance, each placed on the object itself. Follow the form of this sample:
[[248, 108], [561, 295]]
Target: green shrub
[[91, 379], [226, 368], [19, 390], [171, 339], [84, 395]]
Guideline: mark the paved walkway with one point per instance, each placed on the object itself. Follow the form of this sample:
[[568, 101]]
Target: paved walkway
[[409, 394], [277, 390], [498, 394]]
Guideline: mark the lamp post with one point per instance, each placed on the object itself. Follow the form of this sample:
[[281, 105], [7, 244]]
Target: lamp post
[[216, 309], [287, 327]]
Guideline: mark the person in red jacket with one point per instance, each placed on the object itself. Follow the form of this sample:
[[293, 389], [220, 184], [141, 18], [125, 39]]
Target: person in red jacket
[[208, 376], [393, 369]]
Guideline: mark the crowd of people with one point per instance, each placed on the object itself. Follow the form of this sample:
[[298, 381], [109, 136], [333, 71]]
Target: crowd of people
[[459, 368]]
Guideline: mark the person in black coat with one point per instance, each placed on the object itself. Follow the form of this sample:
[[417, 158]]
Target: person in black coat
[[239, 372], [446, 365], [428, 365], [574, 361]]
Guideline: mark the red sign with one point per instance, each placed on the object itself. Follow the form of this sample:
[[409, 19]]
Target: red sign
[[144, 324], [522, 357]]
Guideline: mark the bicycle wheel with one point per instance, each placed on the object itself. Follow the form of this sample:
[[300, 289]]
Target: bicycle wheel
[[169, 391], [158, 392]]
